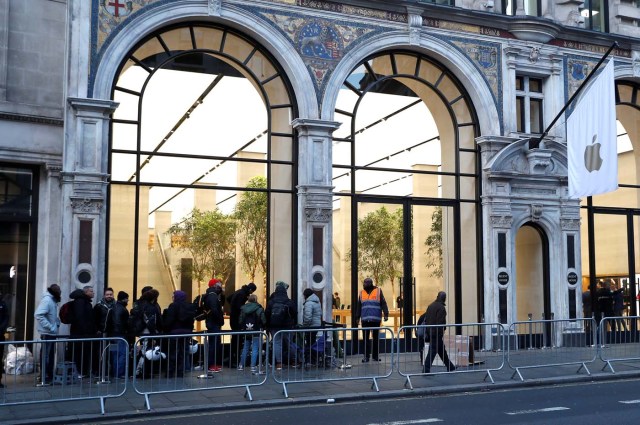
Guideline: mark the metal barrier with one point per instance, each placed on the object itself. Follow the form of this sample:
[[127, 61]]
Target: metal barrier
[[547, 343], [469, 347], [195, 362], [64, 369], [327, 354], [619, 340]]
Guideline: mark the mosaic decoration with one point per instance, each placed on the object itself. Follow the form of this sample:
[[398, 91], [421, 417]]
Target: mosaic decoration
[[112, 13], [577, 69], [347, 9], [320, 42]]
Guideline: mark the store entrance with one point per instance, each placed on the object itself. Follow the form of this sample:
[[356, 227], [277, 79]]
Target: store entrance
[[532, 285], [407, 247]]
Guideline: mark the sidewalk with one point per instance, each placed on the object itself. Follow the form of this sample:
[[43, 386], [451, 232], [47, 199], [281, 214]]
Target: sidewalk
[[271, 393]]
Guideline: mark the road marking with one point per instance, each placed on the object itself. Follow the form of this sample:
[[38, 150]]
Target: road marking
[[629, 401], [415, 421], [547, 409]]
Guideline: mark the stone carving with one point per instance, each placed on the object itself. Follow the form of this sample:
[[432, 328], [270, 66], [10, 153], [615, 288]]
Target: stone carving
[[536, 212], [570, 224], [534, 54], [322, 215], [501, 221], [215, 7], [86, 205], [574, 19]]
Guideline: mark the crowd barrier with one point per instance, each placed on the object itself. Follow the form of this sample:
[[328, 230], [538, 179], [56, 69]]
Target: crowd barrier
[[331, 354], [471, 347], [551, 343], [198, 361], [64, 369], [619, 340]]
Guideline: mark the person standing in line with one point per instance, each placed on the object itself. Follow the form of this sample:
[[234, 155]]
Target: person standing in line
[[4, 324], [118, 327], [618, 306], [253, 317], [369, 311], [178, 319], [214, 320], [46, 316], [237, 300], [605, 301], [103, 309], [436, 317], [83, 326], [281, 313], [311, 318]]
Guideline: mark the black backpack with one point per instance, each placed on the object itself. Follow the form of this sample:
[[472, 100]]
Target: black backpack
[[251, 321], [280, 315], [421, 330], [201, 307]]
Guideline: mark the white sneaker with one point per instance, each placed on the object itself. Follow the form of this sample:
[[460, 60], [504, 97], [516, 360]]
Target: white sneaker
[[240, 367]]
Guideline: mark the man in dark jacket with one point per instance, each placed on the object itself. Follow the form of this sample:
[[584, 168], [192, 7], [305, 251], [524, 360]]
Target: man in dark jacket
[[237, 300], [85, 354], [118, 327], [4, 324], [437, 315], [102, 310], [214, 320], [281, 314], [178, 319]]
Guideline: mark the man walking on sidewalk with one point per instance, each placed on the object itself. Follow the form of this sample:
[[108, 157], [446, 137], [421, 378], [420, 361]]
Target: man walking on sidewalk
[[437, 315]]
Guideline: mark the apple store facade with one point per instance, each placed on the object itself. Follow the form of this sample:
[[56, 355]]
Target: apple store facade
[[319, 145]]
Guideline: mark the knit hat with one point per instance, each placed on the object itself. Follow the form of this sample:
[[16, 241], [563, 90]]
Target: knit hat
[[179, 296], [214, 282], [281, 283], [146, 288], [252, 287], [122, 296]]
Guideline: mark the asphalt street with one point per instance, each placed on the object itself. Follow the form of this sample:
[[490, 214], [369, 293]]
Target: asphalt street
[[616, 402]]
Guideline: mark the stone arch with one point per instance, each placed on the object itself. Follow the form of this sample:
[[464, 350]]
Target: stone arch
[[117, 47], [458, 64]]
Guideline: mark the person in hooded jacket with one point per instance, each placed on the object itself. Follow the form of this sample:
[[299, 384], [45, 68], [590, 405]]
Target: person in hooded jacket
[[178, 319], [237, 300], [46, 316], [252, 309], [281, 313], [118, 327], [437, 315], [145, 319], [214, 321], [85, 354], [311, 318]]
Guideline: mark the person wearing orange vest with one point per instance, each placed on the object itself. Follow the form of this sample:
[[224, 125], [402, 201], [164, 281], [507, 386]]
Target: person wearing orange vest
[[370, 309]]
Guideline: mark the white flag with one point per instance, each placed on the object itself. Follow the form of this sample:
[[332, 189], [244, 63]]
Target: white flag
[[592, 146]]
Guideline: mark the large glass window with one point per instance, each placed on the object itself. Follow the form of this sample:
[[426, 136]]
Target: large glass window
[[405, 160], [529, 99], [531, 7], [596, 15], [202, 165]]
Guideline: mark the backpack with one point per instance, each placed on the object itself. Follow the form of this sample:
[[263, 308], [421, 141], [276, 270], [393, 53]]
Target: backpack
[[251, 321], [136, 322], [66, 313], [279, 315], [201, 307], [421, 330]]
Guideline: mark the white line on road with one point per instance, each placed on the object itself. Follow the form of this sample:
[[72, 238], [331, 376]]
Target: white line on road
[[547, 409], [629, 401], [415, 421]]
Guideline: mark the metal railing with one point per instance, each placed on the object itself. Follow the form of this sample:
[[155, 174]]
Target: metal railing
[[64, 369], [331, 354], [195, 362], [469, 347], [619, 340], [547, 343]]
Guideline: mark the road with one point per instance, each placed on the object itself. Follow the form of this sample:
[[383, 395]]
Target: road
[[576, 404]]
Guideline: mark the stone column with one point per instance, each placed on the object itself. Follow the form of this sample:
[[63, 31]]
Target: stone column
[[84, 186], [315, 208]]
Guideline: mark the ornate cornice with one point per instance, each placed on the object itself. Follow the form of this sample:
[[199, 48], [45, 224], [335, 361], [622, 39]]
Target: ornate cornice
[[570, 224], [321, 215], [31, 119], [86, 205], [501, 221]]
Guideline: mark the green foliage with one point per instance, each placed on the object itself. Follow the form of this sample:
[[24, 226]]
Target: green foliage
[[251, 216], [434, 244], [210, 238], [380, 245]]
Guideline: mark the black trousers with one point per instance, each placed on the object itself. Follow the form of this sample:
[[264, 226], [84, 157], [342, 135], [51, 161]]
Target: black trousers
[[436, 347], [369, 348]]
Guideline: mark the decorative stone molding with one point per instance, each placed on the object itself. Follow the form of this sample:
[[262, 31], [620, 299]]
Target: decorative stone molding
[[570, 224], [536, 212], [215, 7], [539, 161], [534, 54], [86, 205], [502, 222], [53, 170], [320, 215]]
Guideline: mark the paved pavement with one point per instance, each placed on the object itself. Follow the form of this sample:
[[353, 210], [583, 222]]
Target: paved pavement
[[271, 393]]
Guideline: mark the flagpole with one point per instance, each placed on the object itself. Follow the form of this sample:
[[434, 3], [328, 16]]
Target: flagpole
[[534, 143]]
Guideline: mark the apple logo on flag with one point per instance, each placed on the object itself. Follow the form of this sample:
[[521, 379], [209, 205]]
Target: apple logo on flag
[[592, 158]]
